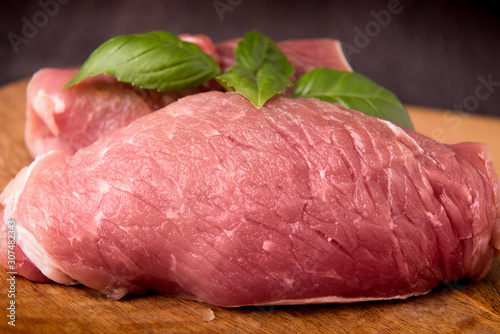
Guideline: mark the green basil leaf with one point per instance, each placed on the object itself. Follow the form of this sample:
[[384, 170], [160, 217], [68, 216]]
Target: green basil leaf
[[155, 60], [262, 70], [353, 91]]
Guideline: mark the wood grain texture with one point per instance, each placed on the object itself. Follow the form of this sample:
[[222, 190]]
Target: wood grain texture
[[457, 307]]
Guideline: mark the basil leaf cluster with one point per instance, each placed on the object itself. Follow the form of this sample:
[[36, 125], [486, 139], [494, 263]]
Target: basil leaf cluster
[[353, 91], [262, 70], [155, 60], [162, 61]]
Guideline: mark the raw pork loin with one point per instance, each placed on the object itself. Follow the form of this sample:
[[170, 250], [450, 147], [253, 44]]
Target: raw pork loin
[[304, 54], [76, 117], [301, 201]]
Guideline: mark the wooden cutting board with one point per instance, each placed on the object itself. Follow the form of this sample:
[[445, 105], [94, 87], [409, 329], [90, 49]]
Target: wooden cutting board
[[468, 307]]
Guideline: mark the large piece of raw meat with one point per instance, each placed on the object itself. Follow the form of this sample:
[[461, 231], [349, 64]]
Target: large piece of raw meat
[[300, 201]]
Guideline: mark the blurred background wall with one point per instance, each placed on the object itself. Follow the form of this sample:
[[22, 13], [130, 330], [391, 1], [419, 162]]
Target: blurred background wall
[[443, 54]]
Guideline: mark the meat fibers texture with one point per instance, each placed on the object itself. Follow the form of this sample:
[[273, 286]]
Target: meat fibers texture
[[72, 118], [301, 201]]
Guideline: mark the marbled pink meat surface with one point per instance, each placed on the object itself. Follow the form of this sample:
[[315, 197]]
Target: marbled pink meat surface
[[300, 201]]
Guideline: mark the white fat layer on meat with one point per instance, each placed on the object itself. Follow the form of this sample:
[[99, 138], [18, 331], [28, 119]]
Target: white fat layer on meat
[[340, 52], [433, 219], [173, 264], [46, 106], [103, 186], [102, 153], [400, 133], [182, 112], [11, 193], [336, 300], [358, 141], [267, 245], [28, 243], [98, 217], [59, 104], [389, 193], [32, 249], [288, 282]]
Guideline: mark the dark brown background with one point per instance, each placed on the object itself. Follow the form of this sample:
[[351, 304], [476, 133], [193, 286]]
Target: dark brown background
[[431, 53]]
